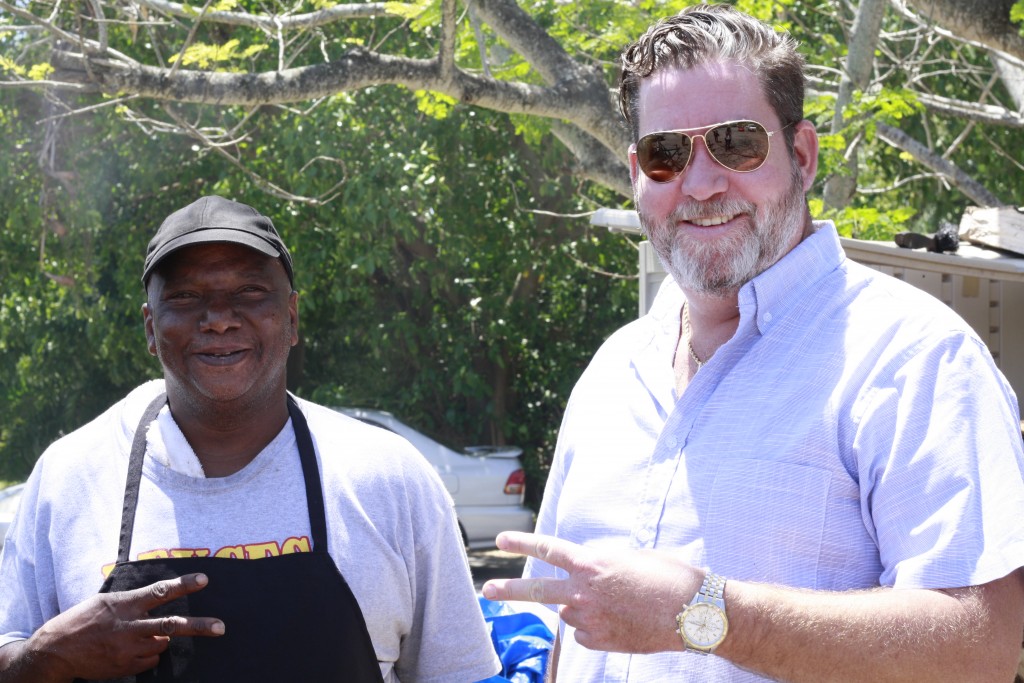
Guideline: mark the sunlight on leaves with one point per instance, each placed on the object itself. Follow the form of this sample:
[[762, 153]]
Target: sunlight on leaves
[[40, 72], [1017, 15], [8, 64], [407, 10], [866, 223], [204, 55], [434, 104]]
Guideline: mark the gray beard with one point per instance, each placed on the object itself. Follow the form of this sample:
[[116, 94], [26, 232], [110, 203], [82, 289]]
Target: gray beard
[[719, 268]]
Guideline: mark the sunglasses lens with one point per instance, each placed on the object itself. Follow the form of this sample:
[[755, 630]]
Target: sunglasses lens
[[740, 145], [663, 156], [737, 145]]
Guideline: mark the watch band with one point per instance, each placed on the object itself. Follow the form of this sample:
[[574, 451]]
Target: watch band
[[702, 625], [713, 589]]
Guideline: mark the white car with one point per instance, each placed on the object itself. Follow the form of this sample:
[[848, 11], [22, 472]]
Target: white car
[[9, 498], [486, 482]]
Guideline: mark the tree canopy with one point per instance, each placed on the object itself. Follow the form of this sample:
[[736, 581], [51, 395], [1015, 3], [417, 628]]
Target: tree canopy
[[952, 64], [432, 165]]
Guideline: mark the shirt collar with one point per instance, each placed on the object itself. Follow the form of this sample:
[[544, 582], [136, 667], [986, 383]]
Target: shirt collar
[[772, 293]]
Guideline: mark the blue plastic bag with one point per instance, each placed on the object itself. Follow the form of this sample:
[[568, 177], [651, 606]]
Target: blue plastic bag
[[521, 639]]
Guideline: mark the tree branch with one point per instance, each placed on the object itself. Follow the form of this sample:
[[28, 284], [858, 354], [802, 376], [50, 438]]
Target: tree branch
[[263, 183], [983, 21], [972, 111], [596, 162], [355, 70], [924, 156], [1012, 75], [860, 61], [446, 51], [269, 22], [526, 37], [596, 111]]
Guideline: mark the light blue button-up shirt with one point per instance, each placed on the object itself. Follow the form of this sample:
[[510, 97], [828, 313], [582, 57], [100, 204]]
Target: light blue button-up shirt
[[854, 432]]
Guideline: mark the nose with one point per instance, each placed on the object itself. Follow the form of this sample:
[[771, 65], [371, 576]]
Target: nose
[[220, 316], [704, 177]]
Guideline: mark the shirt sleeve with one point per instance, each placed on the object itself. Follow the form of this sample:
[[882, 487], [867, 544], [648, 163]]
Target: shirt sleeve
[[14, 609], [20, 612], [941, 464], [448, 640]]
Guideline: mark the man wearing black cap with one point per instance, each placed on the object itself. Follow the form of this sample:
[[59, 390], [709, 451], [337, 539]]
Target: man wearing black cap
[[259, 537]]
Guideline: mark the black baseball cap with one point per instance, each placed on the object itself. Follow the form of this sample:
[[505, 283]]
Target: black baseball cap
[[215, 219]]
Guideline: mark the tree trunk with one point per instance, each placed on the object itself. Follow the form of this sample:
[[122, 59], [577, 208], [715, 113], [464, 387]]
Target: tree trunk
[[983, 21], [860, 61], [1011, 73]]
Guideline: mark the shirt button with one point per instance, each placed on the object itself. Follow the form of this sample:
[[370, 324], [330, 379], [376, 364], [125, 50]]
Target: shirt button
[[768, 317], [643, 535], [672, 442]]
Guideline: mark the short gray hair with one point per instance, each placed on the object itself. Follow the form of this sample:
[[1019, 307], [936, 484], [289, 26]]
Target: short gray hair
[[717, 33]]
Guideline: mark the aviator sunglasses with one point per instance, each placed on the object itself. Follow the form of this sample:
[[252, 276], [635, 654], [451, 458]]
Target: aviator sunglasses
[[740, 146]]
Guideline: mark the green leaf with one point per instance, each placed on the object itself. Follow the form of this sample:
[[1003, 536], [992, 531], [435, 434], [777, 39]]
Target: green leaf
[[434, 104], [205, 55], [8, 64], [1017, 12], [407, 10]]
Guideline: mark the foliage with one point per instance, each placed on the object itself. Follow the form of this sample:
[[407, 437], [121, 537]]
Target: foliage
[[204, 55], [429, 288], [440, 296], [445, 281], [894, 193], [71, 251]]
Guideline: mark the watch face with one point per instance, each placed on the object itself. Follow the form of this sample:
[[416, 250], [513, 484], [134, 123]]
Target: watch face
[[703, 625]]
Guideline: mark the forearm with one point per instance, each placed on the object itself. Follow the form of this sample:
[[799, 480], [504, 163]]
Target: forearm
[[872, 636], [627, 602], [21, 663]]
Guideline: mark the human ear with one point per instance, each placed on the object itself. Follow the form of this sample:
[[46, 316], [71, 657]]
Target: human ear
[[147, 317], [805, 152]]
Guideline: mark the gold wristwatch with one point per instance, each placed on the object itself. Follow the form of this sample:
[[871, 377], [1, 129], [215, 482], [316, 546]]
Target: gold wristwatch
[[703, 624]]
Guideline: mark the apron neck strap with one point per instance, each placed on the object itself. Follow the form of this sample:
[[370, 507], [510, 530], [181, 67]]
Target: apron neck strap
[[314, 489], [307, 457], [131, 487]]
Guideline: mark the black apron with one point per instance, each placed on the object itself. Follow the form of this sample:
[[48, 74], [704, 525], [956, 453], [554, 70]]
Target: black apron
[[287, 618]]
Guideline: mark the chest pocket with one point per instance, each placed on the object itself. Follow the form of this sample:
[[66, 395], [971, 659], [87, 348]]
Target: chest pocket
[[765, 521]]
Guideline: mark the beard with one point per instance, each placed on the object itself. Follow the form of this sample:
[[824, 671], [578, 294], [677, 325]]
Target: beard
[[721, 266]]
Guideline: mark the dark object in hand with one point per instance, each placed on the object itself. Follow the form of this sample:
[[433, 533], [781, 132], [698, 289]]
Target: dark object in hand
[[946, 239]]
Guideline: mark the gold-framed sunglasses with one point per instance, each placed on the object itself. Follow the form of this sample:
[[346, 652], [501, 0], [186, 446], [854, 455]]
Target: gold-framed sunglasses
[[740, 146]]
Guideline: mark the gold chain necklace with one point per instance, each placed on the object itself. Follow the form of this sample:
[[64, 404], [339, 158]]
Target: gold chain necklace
[[689, 339]]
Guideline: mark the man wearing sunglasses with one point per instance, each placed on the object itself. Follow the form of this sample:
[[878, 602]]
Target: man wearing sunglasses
[[793, 462]]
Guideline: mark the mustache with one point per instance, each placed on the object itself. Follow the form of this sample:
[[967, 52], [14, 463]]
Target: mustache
[[687, 211]]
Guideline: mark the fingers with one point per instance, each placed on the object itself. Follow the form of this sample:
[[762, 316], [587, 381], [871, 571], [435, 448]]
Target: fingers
[[176, 626], [554, 551], [161, 592], [146, 598], [548, 591]]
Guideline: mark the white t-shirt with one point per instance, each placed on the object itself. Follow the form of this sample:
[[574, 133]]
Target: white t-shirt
[[391, 530]]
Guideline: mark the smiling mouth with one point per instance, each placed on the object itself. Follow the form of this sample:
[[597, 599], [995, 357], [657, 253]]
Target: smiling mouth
[[711, 221], [220, 357]]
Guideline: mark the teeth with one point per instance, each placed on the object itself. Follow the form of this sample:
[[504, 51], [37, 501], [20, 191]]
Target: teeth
[[712, 220]]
